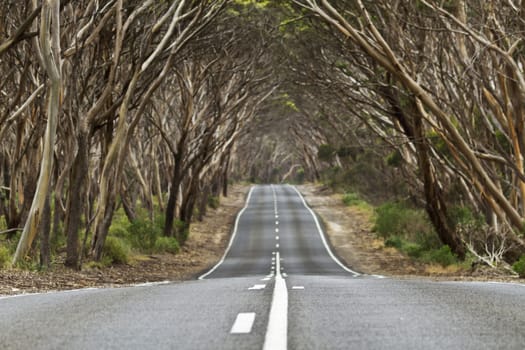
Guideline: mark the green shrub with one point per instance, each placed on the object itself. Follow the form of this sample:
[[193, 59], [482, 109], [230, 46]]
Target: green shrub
[[299, 176], [115, 251], [458, 215], [391, 219], [5, 257], [442, 256], [413, 250], [167, 245], [519, 266], [213, 202], [182, 230], [394, 159], [117, 230], [120, 225], [143, 234], [351, 199], [3, 224], [394, 241], [394, 218], [326, 153]]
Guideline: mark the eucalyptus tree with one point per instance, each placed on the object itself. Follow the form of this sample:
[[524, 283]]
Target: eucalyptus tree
[[218, 90], [453, 83], [179, 23]]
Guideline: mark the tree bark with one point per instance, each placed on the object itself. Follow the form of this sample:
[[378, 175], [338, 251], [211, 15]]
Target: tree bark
[[45, 229], [77, 196], [50, 43]]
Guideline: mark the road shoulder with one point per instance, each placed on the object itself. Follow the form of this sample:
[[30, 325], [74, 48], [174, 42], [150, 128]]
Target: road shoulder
[[349, 230]]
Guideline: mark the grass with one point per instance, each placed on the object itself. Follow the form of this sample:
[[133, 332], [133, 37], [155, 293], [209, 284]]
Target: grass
[[353, 199]]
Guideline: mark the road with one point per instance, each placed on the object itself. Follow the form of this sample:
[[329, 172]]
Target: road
[[278, 287]]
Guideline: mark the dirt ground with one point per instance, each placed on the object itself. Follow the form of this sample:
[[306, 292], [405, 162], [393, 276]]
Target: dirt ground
[[348, 228]]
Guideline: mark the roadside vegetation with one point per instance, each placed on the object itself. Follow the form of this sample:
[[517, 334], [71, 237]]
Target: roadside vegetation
[[405, 229]]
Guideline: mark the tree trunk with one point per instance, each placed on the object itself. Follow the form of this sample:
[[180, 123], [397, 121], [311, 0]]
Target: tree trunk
[[45, 229], [102, 229], [435, 203], [76, 198], [412, 125], [50, 42], [225, 177], [172, 199]]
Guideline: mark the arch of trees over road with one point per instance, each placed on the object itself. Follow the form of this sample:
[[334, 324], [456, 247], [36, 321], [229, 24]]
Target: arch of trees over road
[[156, 105]]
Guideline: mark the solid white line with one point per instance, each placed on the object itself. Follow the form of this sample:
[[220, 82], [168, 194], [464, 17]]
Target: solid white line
[[243, 323], [277, 332], [298, 287], [232, 237], [321, 233]]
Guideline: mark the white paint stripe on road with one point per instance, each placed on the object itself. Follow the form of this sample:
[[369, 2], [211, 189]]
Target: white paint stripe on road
[[321, 233], [277, 230], [234, 233], [298, 287], [257, 287], [277, 332], [243, 323]]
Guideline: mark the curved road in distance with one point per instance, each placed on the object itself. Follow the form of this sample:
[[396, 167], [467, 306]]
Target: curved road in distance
[[278, 287]]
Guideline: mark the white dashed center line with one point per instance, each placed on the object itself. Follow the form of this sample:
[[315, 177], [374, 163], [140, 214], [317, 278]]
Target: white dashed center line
[[277, 332], [257, 287], [243, 323]]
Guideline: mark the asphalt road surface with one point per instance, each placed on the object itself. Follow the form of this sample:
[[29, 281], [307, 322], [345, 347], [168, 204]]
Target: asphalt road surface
[[278, 287]]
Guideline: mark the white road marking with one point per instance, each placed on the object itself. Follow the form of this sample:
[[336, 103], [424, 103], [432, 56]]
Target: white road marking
[[321, 233], [257, 287], [276, 216], [277, 237], [243, 323], [277, 246], [277, 331], [277, 222], [298, 287], [232, 237], [284, 274], [266, 279], [276, 230]]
